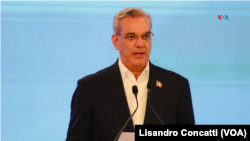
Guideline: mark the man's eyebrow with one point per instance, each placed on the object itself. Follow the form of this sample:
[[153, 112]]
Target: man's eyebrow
[[130, 34], [147, 32]]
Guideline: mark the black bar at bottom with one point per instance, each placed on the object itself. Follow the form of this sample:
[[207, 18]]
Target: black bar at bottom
[[163, 132]]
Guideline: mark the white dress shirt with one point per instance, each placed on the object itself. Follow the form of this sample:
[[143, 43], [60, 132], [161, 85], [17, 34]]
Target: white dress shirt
[[129, 81]]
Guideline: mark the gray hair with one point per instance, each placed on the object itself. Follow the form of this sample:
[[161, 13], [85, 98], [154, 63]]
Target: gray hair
[[129, 12]]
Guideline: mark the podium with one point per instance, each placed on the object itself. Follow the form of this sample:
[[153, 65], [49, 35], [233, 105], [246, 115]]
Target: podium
[[127, 136]]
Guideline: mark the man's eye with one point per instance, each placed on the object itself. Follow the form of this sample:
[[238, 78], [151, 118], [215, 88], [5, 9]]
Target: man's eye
[[146, 36], [131, 37]]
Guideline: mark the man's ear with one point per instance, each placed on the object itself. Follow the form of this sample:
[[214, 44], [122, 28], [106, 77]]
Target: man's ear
[[114, 39]]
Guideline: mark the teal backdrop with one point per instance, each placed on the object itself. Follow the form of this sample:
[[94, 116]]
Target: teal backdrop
[[47, 46]]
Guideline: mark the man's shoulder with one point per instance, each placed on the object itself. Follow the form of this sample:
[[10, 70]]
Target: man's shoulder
[[99, 76]]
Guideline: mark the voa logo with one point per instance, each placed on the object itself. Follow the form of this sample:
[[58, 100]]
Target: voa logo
[[223, 17]]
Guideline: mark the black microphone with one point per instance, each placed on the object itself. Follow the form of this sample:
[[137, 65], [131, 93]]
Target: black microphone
[[135, 92], [149, 86]]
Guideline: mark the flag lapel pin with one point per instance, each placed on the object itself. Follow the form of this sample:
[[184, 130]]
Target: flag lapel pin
[[158, 84]]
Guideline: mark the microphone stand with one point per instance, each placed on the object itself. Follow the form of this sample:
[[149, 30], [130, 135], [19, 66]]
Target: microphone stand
[[149, 92], [129, 117]]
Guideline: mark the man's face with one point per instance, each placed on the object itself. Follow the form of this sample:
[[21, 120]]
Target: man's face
[[133, 53]]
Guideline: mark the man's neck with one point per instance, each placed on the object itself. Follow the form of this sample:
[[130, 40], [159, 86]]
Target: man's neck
[[136, 74], [135, 70]]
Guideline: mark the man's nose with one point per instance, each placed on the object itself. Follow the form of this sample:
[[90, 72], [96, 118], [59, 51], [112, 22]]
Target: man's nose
[[139, 42]]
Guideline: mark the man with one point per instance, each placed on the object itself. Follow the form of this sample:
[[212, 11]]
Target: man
[[102, 102]]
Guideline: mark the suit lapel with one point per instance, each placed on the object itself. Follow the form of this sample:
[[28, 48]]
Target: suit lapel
[[115, 85], [154, 75]]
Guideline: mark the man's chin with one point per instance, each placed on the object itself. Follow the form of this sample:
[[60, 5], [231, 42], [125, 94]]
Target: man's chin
[[140, 63]]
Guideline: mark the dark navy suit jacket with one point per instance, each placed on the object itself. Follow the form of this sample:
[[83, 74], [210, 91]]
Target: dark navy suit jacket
[[99, 107]]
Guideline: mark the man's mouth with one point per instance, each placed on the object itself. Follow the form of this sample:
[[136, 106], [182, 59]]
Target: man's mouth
[[139, 53]]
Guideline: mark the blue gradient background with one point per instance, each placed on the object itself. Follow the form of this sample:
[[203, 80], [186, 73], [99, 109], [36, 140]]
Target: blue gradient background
[[47, 46]]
